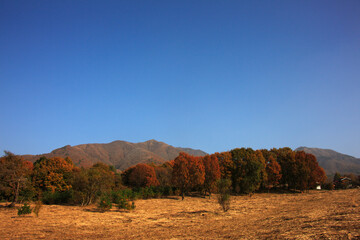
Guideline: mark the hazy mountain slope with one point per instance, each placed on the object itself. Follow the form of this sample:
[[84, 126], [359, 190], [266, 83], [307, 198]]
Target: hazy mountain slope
[[333, 162], [121, 154]]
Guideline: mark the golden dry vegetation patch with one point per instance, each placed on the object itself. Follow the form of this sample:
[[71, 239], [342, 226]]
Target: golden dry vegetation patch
[[313, 215]]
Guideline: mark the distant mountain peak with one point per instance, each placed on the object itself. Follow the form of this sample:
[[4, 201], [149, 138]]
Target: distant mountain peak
[[120, 154]]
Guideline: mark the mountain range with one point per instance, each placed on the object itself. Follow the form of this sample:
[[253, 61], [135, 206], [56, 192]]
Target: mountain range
[[333, 162], [123, 155], [120, 154]]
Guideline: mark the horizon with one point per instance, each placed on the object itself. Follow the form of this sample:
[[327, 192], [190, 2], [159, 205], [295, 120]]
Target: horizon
[[205, 75], [180, 147]]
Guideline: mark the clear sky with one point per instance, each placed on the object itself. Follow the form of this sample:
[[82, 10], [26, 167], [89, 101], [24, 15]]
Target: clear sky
[[210, 75]]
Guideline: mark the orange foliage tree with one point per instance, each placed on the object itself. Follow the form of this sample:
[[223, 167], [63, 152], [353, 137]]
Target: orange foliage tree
[[317, 175], [197, 172], [212, 172], [143, 175], [188, 173], [300, 170], [53, 174], [181, 173], [273, 170]]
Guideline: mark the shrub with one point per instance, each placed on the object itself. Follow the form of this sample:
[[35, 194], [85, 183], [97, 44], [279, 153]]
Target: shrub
[[224, 193], [36, 210], [25, 209], [117, 196], [105, 203], [124, 204], [133, 205]]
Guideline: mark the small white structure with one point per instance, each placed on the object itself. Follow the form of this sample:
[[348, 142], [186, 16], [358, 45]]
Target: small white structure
[[318, 187]]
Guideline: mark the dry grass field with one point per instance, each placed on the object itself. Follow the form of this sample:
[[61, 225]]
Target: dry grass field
[[314, 215]]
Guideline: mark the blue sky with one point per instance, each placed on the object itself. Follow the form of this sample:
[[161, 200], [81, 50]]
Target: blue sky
[[211, 75]]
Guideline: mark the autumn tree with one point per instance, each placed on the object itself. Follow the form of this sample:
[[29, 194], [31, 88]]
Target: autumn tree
[[181, 173], [226, 164], [286, 158], [143, 175], [53, 174], [197, 172], [302, 171], [188, 173], [13, 171], [212, 172], [317, 173], [273, 170]]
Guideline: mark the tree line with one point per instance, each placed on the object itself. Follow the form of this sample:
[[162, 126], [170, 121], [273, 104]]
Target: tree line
[[58, 180]]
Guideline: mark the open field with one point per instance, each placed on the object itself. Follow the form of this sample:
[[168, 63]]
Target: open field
[[314, 215]]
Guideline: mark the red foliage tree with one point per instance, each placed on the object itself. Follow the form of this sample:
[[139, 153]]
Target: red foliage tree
[[273, 170], [181, 173], [212, 172], [309, 173], [317, 173], [188, 173], [197, 172], [143, 175]]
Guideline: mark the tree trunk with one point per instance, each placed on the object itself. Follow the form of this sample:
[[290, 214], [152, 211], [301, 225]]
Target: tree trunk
[[16, 194]]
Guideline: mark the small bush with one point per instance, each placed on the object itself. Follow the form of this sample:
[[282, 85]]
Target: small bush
[[125, 204], [133, 205], [105, 203], [147, 193], [25, 209], [224, 193], [36, 210]]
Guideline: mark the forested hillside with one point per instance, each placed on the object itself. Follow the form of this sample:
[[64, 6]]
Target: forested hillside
[[120, 154]]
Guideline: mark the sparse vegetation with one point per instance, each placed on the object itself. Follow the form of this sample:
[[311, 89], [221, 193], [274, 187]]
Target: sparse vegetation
[[24, 210], [313, 215], [223, 197], [105, 203], [125, 204]]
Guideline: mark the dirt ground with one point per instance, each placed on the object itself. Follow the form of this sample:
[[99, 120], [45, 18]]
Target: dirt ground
[[314, 215]]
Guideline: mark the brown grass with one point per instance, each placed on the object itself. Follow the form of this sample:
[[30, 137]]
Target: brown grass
[[314, 215]]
